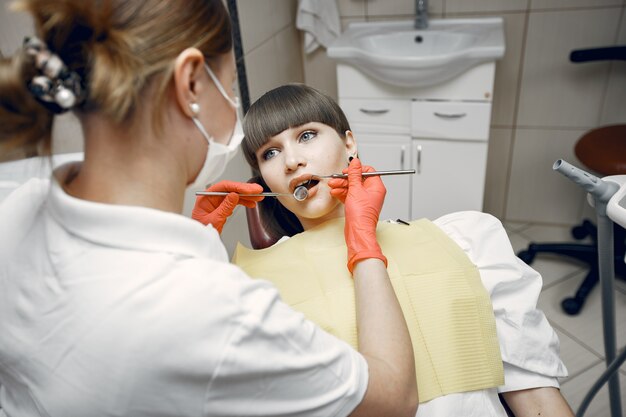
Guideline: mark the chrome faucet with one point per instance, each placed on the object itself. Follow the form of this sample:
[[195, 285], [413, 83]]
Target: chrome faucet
[[421, 14]]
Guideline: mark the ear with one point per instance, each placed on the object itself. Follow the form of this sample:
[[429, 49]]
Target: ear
[[350, 142], [188, 70]]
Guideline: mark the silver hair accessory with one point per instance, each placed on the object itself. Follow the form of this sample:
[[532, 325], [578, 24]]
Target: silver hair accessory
[[54, 86]]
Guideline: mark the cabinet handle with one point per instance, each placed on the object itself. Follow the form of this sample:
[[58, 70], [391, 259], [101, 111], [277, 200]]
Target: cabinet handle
[[369, 111], [419, 159], [402, 157], [450, 116]]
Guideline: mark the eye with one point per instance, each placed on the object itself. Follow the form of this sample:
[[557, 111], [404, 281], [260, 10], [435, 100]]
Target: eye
[[269, 154], [307, 135]]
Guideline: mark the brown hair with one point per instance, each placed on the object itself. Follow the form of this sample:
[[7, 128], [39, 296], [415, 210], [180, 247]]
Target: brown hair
[[117, 47], [282, 108]]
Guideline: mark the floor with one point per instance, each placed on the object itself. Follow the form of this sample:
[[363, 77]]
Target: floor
[[581, 336]]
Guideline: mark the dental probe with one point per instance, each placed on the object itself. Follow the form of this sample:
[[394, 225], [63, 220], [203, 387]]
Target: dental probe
[[369, 174]]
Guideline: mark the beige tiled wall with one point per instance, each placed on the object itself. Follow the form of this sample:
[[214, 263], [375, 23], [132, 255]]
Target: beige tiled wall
[[542, 103], [271, 44], [272, 55]]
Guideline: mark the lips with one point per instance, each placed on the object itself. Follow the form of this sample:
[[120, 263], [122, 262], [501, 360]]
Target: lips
[[304, 179]]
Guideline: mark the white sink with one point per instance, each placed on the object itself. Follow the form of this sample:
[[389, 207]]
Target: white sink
[[396, 53]]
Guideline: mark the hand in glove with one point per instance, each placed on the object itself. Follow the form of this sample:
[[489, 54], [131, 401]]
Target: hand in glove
[[363, 198], [215, 209]]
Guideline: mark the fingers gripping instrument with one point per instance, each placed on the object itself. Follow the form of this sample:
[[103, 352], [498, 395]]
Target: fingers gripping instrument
[[363, 202], [220, 202]]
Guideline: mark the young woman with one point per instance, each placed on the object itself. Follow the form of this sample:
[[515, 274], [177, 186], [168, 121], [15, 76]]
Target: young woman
[[293, 132], [111, 301]]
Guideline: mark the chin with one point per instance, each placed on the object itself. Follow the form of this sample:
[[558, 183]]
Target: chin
[[319, 207]]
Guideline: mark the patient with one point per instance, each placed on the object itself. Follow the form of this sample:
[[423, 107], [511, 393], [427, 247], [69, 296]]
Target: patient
[[470, 303]]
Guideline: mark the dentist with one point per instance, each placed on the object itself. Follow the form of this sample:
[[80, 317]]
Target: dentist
[[114, 304]]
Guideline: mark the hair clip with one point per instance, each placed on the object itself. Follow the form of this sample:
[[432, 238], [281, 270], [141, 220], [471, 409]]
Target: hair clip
[[54, 86]]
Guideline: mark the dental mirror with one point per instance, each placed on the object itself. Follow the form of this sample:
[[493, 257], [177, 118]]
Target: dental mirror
[[301, 193]]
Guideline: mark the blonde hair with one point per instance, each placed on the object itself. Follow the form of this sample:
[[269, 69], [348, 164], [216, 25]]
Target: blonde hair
[[117, 47]]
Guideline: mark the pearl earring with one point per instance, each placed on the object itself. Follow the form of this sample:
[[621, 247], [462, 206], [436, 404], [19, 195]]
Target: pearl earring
[[195, 108]]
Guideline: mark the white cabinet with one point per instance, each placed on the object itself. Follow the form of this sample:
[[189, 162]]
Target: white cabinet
[[440, 131], [450, 176], [385, 152]]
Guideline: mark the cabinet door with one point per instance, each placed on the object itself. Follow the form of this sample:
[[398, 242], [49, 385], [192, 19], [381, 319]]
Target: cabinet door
[[450, 176], [387, 152]]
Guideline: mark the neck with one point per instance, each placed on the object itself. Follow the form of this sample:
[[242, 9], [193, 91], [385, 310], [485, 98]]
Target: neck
[[127, 166]]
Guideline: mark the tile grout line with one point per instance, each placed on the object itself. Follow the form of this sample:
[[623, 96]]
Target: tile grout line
[[582, 371], [560, 280], [519, 228], [577, 340]]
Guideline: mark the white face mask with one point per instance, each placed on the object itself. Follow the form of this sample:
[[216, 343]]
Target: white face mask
[[218, 155]]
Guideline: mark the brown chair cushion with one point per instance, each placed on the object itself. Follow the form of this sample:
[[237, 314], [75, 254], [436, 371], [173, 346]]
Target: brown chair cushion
[[603, 150]]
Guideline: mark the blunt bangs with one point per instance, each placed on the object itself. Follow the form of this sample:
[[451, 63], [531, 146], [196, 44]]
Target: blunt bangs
[[286, 107]]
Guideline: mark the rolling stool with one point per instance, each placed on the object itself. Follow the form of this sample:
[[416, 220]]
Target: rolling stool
[[602, 150]]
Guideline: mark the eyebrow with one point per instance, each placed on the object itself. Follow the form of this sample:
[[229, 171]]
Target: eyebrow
[[264, 147]]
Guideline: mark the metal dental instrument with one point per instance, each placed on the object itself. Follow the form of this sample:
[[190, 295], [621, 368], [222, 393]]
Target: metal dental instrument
[[369, 174], [301, 193]]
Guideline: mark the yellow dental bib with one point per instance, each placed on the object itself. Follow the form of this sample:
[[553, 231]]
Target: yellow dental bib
[[447, 309]]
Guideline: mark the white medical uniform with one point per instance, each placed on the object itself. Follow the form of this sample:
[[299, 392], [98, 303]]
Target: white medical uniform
[[128, 311]]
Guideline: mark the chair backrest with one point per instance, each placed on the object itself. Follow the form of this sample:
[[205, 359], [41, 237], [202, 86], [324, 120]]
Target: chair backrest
[[260, 238]]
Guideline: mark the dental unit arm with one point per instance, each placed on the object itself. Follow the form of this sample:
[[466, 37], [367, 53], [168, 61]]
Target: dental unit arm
[[608, 196], [600, 190]]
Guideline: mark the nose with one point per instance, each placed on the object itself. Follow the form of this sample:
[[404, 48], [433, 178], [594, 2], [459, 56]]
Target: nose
[[293, 159]]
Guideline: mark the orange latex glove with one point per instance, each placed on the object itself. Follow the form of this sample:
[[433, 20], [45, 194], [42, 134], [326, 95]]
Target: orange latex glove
[[215, 209], [363, 198]]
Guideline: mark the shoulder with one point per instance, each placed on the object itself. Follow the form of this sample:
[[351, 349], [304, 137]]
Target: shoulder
[[486, 243], [261, 337], [31, 193], [473, 230], [19, 211], [470, 220]]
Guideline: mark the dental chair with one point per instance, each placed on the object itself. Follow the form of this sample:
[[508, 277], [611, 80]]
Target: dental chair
[[603, 151], [260, 237]]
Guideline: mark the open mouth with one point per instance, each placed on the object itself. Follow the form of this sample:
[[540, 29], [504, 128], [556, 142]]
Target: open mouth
[[311, 183], [308, 183]]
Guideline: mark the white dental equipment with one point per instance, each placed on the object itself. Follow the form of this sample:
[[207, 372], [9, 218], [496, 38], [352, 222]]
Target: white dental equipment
[[301, 192], [608, 197]]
